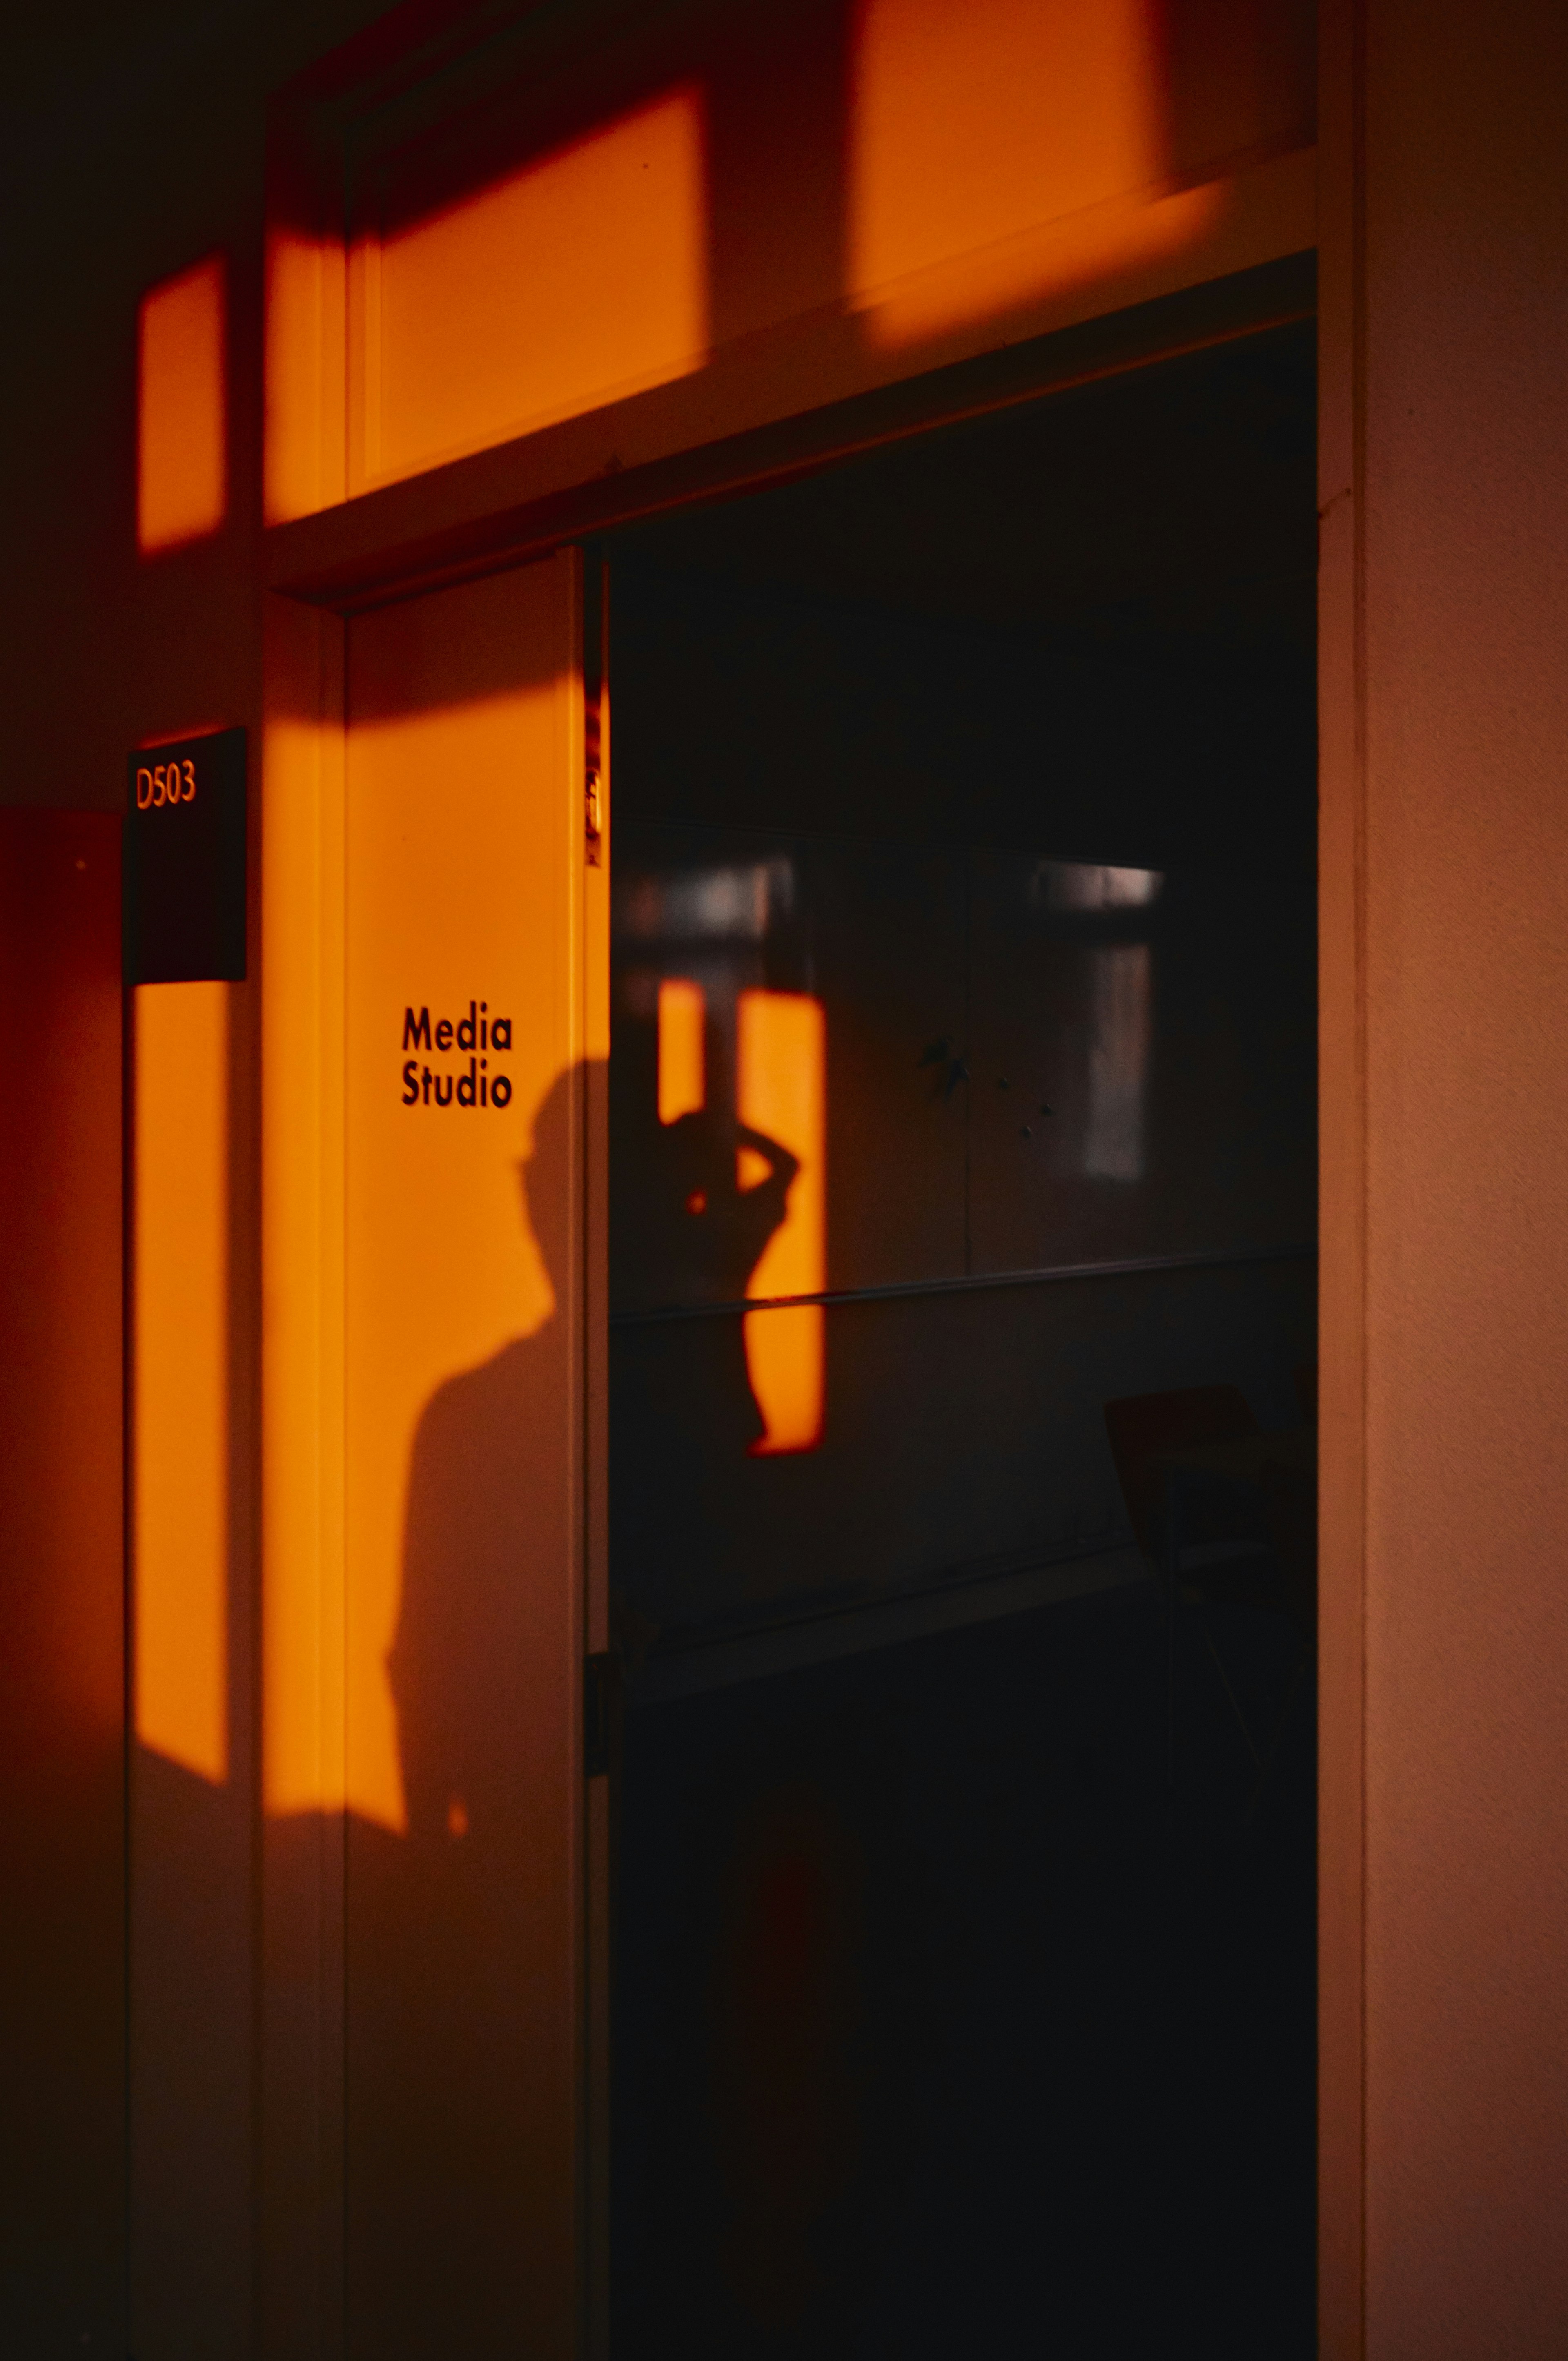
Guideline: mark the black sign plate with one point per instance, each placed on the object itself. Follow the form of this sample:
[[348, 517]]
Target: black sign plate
[[185, 861]]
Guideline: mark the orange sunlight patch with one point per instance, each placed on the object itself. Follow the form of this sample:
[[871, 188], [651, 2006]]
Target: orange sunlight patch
[[180, 1372], [577, 280], [683, 1082], [782, 1086], [182, 460], [1001, 154]]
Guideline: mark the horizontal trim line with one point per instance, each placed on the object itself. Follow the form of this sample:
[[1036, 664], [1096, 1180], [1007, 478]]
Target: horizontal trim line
[[487, 511], [1131, 1267], [701, 1659]]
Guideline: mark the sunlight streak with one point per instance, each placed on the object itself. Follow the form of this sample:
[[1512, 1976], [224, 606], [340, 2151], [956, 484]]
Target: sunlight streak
[[180, 1374], [783, 1092], [577, 280], [683, 1083], [182, 458]]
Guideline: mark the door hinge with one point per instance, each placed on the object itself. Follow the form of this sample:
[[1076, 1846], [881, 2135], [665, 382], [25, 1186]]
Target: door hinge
[[593, 819]]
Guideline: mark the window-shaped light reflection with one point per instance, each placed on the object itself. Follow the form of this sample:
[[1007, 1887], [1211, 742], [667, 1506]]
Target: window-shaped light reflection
[[1118, 1061], [1095, 885], [730, 905], [181, 461], [682, 1079], [782, 1092], [1120, 1011]]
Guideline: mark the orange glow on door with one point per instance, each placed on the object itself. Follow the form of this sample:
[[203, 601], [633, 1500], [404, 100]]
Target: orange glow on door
[[577, 280], [301, 1182], [182, 460], [683, 1080], [782, 1092], [459, 907], [180, 1374]]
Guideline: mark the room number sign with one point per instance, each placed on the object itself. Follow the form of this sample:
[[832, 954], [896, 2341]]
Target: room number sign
[[185, 861]]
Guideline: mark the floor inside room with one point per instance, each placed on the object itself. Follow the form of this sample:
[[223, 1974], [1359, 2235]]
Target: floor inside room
[[949, 2022]]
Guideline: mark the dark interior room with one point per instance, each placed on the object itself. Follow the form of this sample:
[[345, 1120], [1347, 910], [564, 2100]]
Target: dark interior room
[[963, 1293]]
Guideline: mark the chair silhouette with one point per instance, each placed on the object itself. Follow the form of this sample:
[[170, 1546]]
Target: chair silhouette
[[1207, 1542]]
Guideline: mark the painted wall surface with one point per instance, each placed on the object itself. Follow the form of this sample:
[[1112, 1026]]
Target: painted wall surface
[[133, 145], [63, 1787], [1465, 529]]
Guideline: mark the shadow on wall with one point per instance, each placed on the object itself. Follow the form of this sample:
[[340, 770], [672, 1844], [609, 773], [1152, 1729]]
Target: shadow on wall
[[461, 1949], [461, 1945], [461, 1936], [700, 1199], [461, 1939]]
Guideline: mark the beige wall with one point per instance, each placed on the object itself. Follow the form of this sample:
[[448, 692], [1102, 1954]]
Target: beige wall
[[1446, 333]]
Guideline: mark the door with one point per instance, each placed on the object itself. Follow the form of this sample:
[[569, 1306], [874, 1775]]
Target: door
[[472, 927]]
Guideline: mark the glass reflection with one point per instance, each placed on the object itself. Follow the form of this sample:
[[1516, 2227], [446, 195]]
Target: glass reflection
[[1092, 885], [682, 1054], [727, 1205], [853, 1081], [1047, 1061], [1118, 1062], [782, 1078], [719, 906]]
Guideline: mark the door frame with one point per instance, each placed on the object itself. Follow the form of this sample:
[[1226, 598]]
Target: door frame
[[421, 534], [411, 537]]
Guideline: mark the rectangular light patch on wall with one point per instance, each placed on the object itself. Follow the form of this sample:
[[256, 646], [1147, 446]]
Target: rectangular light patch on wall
[[577, 280], [181, 409], [180, 1375], [782, 1094], [682, 1079]]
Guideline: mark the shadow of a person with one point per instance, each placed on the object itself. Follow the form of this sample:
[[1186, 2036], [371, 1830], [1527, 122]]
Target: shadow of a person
[[464, 1946], [688, 1235], [701, 1232], [488, 1513], [463, 1937]]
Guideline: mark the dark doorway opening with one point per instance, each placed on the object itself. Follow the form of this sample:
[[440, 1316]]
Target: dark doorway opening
[[963, 1083]]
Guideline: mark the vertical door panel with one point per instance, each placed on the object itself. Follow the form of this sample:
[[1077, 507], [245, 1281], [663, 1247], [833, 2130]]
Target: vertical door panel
[[464, 1102]]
